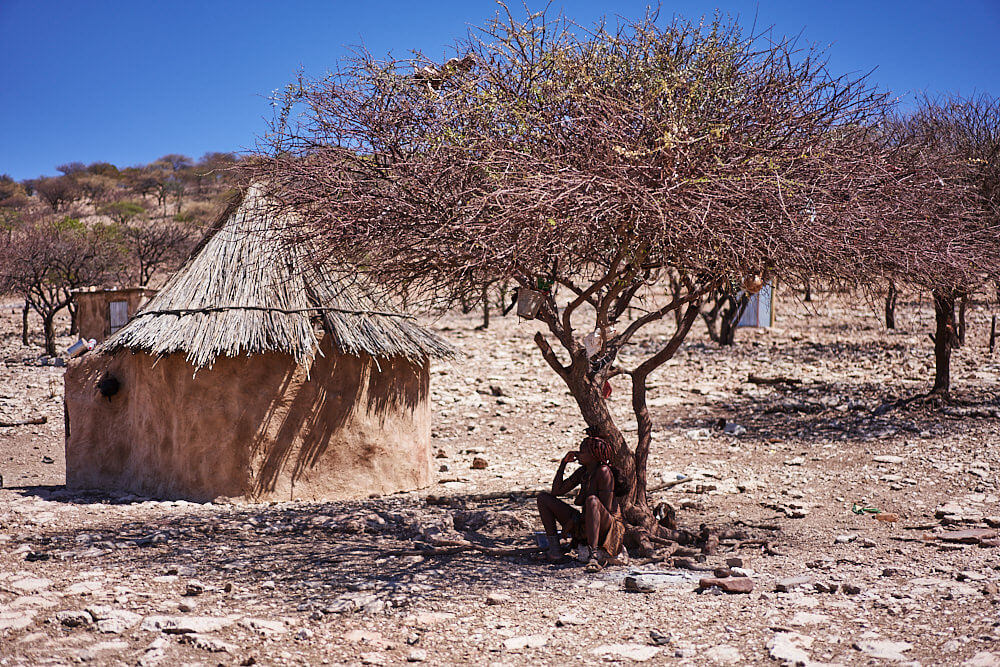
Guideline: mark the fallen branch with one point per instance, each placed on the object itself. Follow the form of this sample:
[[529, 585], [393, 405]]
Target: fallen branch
[[757, 379], [26, 422], [668, 485], [453, 548]]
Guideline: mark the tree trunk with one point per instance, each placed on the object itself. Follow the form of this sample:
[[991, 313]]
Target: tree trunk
[[809, 292], [50, 334], [890, 307], [486, 310], [944, 339], [963, 301], [24, 323], [74, 325], [730, 318]]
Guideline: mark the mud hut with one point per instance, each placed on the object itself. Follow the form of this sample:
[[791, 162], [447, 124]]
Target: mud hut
[[102, 311], [254, 374]]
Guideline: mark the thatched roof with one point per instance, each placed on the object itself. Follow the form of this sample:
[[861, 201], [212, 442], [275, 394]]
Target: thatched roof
[[246, 290]]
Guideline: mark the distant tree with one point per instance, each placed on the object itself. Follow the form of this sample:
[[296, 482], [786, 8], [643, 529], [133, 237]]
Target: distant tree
[[58, 192], [122, 212], [176, 162], [71, 168], [95, 187], [104, 169], [13, 199], [213, 168], [142, 181], [47, 258], [153, 246]]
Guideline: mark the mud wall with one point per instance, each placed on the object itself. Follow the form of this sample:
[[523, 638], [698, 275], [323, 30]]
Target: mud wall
[[93, 314], [259, 428]]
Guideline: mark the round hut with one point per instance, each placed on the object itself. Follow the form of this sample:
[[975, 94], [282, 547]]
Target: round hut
[[254, 374]]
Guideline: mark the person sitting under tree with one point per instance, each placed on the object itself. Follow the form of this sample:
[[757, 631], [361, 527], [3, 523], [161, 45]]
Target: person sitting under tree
[[599, 525]]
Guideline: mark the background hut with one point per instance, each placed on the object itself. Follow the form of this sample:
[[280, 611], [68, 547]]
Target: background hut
[[254, 374], [102, 311]]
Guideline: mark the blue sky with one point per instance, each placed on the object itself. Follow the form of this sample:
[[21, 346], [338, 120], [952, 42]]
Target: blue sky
[[127, 81]]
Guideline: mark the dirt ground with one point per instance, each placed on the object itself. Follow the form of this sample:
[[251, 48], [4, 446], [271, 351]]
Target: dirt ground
[[113, 580]]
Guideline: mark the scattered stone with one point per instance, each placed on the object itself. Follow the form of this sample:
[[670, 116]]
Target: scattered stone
[[525, 641], [724, 655], [303, 634], [210, 644], [85, 588], [264, 626], [634, 652], [826, 586], [969, 575], [496, 598], [194, 587], [808, 618], [844, 539], [73, 619], [728, 585], [658, 638], [734, 429], [113, 621], [186, 606], [569, 619], [698, 434], [267, 585], [651, 582], [790, 648], [983, 659], [883, 649], [970, 536], [850, 589], [416, 655], [31, 584], [888, 458], [789, 583], [180, 625], [734, 562], [479, 463], [372, 659], [428, 619], [16, 620], [797, 461]]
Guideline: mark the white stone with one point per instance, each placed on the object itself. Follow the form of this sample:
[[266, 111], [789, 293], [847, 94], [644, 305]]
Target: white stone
[[634, 652], [807, 618], [16, 620], [264, 626], [31, 584], [884, 649], [790, 647], [724, 655], [185, 624], [525, 641]]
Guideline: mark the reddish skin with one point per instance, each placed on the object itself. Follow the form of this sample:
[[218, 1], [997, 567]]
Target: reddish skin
[[599, 503]]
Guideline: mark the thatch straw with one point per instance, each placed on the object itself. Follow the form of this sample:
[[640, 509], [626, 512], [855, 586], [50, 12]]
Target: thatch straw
[[246, 291]]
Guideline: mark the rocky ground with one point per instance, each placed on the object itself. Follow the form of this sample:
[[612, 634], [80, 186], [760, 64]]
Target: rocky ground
[[126, 580]]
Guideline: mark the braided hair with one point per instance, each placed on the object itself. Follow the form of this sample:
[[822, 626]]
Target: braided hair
[[603, 452]]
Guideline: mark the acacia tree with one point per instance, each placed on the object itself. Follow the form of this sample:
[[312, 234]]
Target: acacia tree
[[152, 246], [953, 145], [47, 258], [595, 162]]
